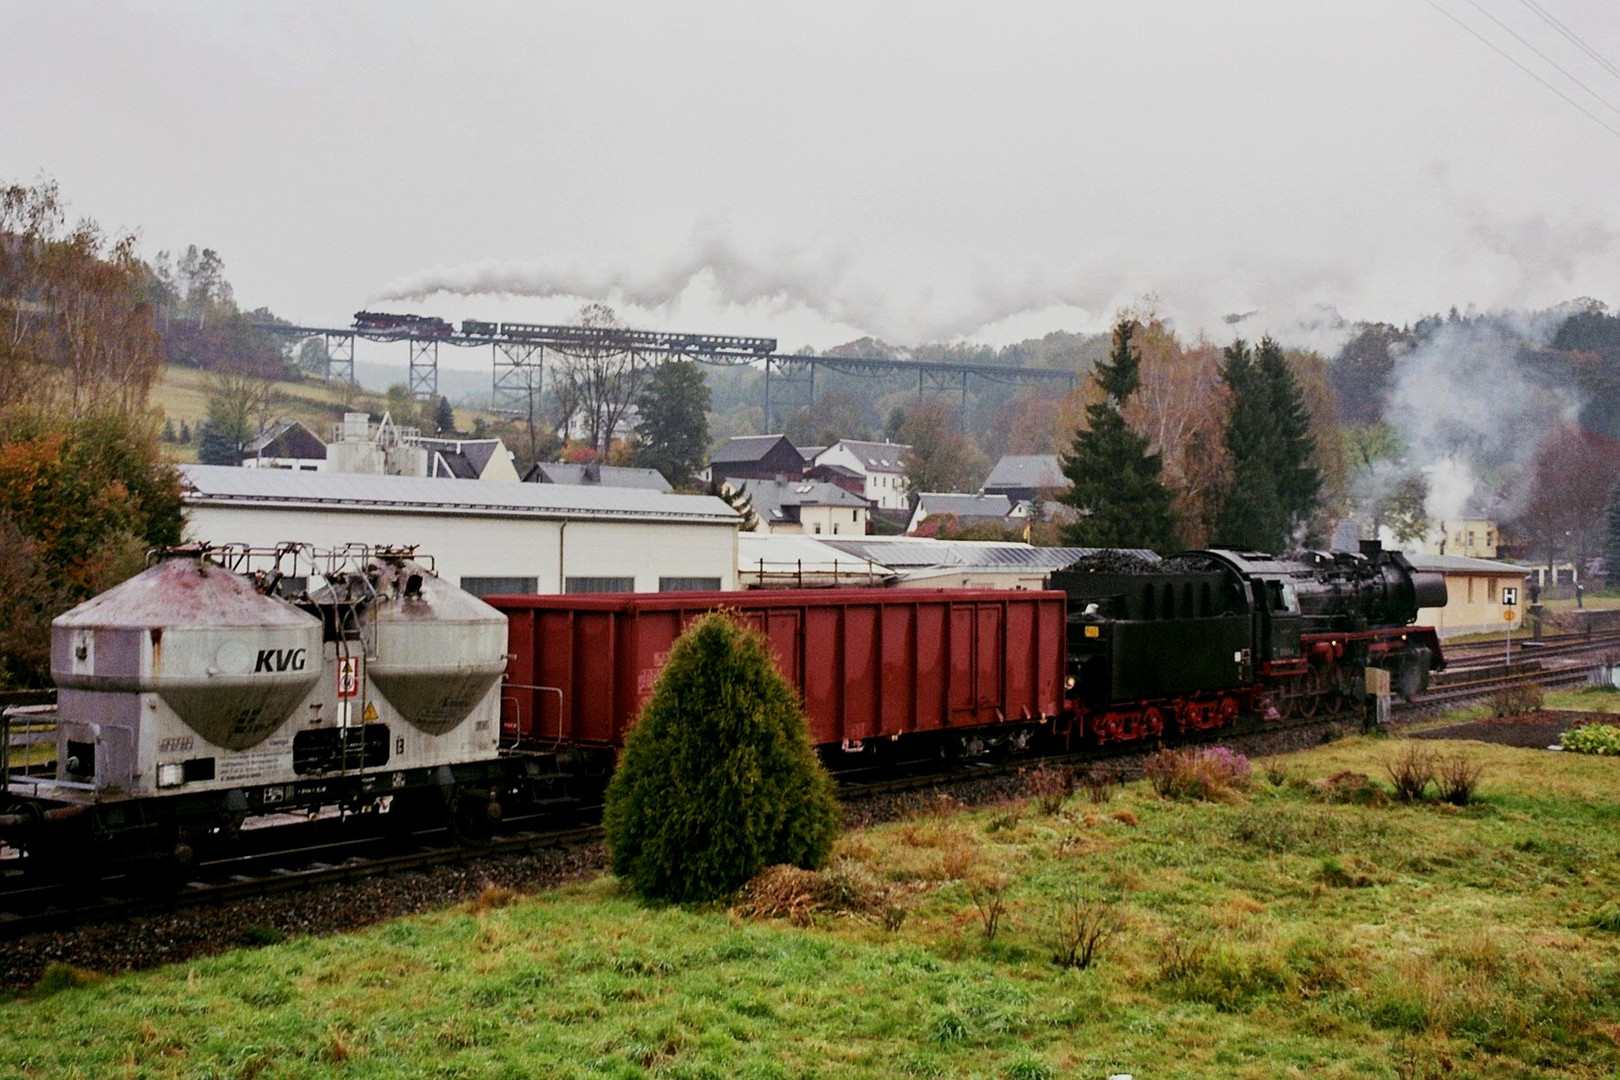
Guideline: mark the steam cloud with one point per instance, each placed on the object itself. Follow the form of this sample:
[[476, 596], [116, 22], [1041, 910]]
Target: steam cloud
[[828, 280], [1470, 416]]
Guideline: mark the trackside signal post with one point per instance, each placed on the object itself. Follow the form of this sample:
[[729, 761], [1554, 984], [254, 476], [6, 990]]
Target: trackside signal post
[[1510, 598]]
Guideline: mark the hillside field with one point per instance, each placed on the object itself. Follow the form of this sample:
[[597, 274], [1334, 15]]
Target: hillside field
[[182, 394], [1298, 928]]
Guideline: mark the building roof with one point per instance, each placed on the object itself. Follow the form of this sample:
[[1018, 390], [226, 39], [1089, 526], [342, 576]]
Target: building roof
[[1462, 564], [475, 452], [914, 552], [876, 457], [561, 472], [810, 453], [743, 449], [838, 470], [292, 439], [794, 555], [932, 503], [225, 485], [772, 498], [1027, 471]]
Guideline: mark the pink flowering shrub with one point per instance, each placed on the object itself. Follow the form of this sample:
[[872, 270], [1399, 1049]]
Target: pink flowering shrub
[[1208, 774]]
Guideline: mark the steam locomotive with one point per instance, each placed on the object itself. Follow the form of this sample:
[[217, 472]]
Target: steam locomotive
[[1191, 642], [417, 325], [227, 683]]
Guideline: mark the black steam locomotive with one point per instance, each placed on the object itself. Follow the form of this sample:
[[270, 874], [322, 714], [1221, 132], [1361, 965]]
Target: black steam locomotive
[[1191, 642], [415, 325]]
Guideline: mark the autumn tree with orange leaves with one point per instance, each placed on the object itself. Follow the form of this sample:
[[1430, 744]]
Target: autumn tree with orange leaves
[[84, 490]]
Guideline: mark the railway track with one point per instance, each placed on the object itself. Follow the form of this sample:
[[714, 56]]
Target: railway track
[[306, 862]]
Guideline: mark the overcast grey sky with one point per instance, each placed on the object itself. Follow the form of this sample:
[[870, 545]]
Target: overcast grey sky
[[917, 171]]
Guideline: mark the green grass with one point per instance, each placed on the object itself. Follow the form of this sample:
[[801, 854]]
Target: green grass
[[1593, 699], [1272, 935]]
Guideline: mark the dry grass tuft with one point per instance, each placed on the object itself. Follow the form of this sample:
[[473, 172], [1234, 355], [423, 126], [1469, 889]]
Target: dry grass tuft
[[492, 897], [797, 895]]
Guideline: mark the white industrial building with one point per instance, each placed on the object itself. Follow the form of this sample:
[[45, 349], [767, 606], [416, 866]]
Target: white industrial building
[[485, 536]]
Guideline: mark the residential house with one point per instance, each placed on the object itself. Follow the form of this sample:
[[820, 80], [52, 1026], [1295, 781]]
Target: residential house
[[811, 507], [1469, 538], [286, 446], [1024, 477], [968, 509], [756, 457], [881, 466]]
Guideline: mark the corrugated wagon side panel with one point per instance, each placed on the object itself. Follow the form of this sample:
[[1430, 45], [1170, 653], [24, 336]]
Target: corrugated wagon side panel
[[518, 719], [867, 664]]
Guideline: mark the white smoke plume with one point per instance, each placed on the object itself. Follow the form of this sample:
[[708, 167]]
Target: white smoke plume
[[1469, 414], [827, 279]]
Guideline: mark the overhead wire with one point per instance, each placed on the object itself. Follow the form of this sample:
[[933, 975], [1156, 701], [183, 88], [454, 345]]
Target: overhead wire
[[1556, 66], [1575, 39], [1494, 47]]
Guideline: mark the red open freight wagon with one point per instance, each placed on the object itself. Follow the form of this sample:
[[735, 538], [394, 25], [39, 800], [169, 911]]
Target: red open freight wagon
[[867, 663]]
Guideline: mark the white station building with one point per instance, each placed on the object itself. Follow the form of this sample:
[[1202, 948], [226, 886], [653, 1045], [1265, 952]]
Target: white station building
[[484, 536]]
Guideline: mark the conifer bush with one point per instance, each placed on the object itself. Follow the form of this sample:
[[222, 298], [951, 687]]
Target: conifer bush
[[718, 779]]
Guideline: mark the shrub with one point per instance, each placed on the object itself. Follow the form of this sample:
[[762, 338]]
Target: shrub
[[1607, 918], [1351, 787], [1457, 775], [1411, 770], [1196, 774], [989, 896], [1099, 782], [1082, 926], [1051, 788], [718, 779], [57, 977], [1517, 700], [1594, 739]]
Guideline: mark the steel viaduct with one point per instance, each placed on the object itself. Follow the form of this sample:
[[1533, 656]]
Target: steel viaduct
[[519, 350]]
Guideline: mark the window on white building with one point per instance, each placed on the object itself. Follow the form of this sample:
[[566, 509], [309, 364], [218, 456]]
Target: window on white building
[[492, 586], [688, 584], [599, 584]]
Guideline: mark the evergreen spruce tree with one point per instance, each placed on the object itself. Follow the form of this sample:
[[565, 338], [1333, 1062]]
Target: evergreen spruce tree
[[1114, 481], [444, 418], [1299, 484], [1611, 545], [1268, 440], [718, 779], [673, 430]]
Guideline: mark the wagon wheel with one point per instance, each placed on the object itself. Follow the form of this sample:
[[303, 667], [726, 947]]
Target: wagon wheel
[[1333, 688], [1152, 721], [1227, 711], [1308, 700]]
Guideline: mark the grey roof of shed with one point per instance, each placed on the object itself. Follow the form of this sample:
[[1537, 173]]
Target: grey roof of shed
[[1462, 564], [1027, 471], [561, 472], [223, 484], [964, 506], [901, 553], [744, 448]]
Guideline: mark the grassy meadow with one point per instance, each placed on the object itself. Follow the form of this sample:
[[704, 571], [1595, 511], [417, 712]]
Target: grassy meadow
[[1303, 927], [182, 394]]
